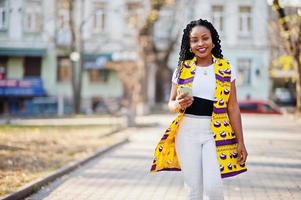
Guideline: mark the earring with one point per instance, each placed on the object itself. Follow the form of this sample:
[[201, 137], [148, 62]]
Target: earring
[[213, 46], [190, 50]]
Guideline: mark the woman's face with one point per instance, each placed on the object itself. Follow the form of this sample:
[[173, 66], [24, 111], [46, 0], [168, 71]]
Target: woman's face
[[201, 42]]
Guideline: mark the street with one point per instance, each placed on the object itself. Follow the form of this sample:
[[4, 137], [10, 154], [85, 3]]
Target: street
[[274, 167]]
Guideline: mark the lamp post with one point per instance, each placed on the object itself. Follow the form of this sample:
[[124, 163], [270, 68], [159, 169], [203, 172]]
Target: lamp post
[[75, 58]]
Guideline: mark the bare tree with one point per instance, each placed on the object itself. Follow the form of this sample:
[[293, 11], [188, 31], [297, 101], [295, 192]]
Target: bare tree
[[130, 76], [76, 48], [162, 56], [291, 32], [134, 75], [147, 47], [148, 51]]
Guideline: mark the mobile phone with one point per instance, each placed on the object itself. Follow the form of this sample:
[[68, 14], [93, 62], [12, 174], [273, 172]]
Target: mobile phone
[[185, 89]]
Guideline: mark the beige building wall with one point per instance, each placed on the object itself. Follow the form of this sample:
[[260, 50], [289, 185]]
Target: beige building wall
[[15, 68]]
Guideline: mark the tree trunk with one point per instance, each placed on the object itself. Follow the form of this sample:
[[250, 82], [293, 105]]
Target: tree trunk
[[146, 45], [77, 45], [298, 84], [81, 60], [73, 49], [130, 75], [163, 82]]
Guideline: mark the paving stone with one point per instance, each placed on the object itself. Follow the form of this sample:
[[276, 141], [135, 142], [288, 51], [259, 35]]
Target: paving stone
[[274, 167]]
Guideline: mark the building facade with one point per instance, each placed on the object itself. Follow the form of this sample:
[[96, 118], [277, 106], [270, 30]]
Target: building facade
[[243, 27], [35, 40]]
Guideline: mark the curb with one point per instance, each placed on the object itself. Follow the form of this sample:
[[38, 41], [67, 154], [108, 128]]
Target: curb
[[32, 187], [112, 132]]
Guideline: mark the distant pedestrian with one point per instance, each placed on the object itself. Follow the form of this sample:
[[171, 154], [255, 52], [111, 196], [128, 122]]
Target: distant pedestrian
[[205, 140]]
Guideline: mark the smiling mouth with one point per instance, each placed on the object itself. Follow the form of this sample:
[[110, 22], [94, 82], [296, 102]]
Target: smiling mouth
[[202, 50]]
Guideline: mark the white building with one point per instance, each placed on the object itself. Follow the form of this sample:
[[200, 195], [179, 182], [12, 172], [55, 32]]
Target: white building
[[242, 26], [34, 42], [35, 37]]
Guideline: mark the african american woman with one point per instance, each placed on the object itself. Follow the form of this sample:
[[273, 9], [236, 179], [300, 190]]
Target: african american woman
[[205, 141]]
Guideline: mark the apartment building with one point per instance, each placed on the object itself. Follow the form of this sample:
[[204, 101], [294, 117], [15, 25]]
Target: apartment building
[[242, 25], [35, 40]]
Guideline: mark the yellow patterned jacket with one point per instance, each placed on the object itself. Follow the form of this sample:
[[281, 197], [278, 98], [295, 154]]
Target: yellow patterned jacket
[[165, 156]]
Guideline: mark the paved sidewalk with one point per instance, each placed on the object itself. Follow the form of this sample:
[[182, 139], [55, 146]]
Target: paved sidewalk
[[274, 168]]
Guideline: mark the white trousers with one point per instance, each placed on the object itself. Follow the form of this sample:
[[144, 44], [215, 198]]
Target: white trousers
[[196, 150]]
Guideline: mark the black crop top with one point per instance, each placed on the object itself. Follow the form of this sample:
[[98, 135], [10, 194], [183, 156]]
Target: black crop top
[[200, 107]]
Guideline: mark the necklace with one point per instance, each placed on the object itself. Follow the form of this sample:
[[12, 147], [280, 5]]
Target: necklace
[[204, 70]]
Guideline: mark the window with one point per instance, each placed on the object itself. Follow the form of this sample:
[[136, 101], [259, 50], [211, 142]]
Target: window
[[3, 67], [32, 66], [245, 20], [218, 17], [244, 72], [63, 31], [99, 75], [63, 69], [3, 15], [267, 108], [248, 106], [133, 9], [63, 27], [33, 18], [99, 20]]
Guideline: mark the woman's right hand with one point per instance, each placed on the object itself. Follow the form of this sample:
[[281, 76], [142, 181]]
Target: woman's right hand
[[184, 100]]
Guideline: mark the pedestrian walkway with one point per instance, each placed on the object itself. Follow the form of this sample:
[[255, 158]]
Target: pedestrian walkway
[[274, 168]]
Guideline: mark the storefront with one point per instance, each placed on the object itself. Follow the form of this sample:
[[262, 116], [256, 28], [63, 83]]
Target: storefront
[[20, 78], [15, 94]]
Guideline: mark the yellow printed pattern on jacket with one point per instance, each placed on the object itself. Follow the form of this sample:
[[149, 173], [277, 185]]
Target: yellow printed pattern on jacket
[[165, 156]]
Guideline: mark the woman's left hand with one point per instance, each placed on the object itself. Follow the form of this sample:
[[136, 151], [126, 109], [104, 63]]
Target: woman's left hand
[[242, 153]]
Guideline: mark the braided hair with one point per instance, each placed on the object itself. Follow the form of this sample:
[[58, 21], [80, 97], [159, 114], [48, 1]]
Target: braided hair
[[185, 54]]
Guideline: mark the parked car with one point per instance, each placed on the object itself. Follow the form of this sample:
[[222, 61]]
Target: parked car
[[283, 96], [260, 107]]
